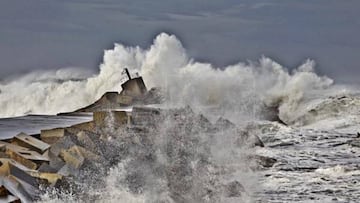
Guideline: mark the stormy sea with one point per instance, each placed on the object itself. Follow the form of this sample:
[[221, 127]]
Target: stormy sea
[[301, 127]]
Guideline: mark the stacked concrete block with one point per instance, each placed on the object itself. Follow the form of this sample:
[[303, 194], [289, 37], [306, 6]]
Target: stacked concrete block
[[62, 154], [124, 100], [25, 163], [30, 142], [143, 116], [106, 118], [50, 136]]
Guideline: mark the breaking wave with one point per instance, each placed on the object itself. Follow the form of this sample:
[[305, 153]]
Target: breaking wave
[[177, 156], [249, 90]]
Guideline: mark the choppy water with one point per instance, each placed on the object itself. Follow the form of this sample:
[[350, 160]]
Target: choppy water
[[313, 166]]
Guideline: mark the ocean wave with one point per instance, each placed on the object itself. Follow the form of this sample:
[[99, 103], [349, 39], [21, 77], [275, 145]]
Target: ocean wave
[[257, 90]]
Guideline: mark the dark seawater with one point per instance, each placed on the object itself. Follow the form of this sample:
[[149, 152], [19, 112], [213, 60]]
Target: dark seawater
[[33, 124]]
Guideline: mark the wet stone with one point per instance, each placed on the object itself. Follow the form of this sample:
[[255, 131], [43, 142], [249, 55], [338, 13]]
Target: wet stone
[[264, 161], [63, 144], [30, 142], [50, 136], [55, 162], [9, 199], [355, 143], [224, 124], [234, 189]]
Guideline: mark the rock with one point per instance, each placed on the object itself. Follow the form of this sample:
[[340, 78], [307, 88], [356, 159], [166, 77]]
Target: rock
[[153, 96], [145, 116], [28, 158], [87, 126], [63, 143], [108, 118], [355, 143], [21, 159], [29, 142], [17, 181], [68, 170], [72, 158], [264, 161], [50, 178], [224, 124], [46, 168], [7, 167], [16, 189], [3, 191], [202, 122], [245, 138], [55, 163], [85, 141], [234, 189], [124, 100], [52, 135], [76, 156], [9, 199]]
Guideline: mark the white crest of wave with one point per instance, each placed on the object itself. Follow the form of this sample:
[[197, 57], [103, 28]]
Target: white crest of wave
[[243, 87]]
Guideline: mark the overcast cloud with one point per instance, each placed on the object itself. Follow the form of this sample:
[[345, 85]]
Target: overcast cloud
[[50, 34]]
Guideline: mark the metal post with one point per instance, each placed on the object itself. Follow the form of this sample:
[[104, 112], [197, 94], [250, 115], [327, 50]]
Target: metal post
[[127, 73]]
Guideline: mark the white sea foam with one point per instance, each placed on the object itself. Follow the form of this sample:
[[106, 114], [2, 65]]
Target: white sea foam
[[238, 90], [337, 171]]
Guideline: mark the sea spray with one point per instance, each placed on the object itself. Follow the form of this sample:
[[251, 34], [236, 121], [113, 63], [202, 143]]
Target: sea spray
[[240, 91], [168, 155]]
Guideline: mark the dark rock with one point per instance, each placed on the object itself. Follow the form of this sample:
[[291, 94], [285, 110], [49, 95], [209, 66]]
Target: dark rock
[[264, 161], [234, 189], [245, 138], [355, 143], [224, 124]]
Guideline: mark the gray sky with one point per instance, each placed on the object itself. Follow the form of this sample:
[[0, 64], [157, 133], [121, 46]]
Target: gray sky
[[51, 34]]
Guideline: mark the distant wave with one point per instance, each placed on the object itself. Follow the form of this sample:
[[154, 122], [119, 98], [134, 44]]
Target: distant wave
[[238, 91]]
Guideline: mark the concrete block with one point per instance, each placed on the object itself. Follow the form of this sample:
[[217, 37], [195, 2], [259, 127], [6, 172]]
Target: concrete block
[[234, 189], [21, 159], [30, 142], [46, 168], [88, 126], [63, 143], [68, 170], [224, 124], [72, 158], [19, 188], [28, 158], [4, 145], [50, 136], [145, 116], [55, 162], [134, 87], [9, 199], [50, 178], [14, 163], [9, 169], [87, 154], [85, 141], [3, 191], [104, 118], [124, 100], [76, 156]]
